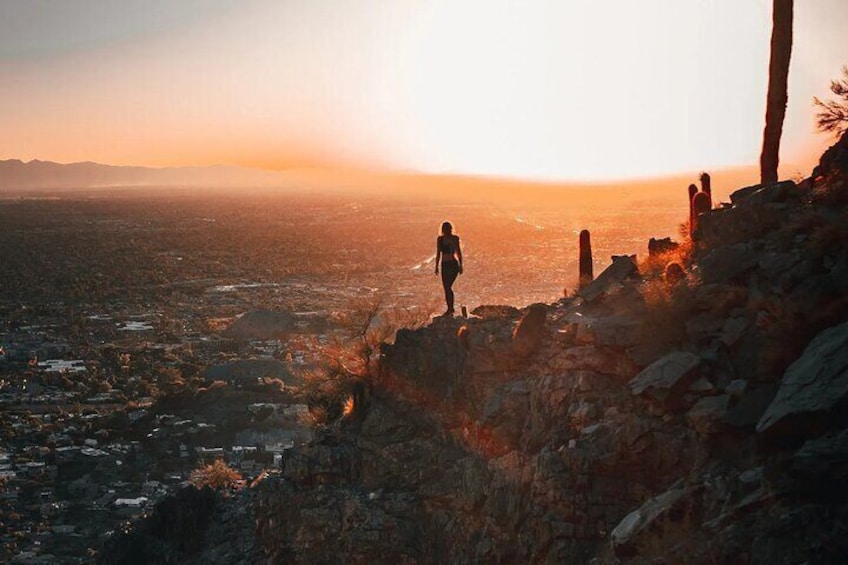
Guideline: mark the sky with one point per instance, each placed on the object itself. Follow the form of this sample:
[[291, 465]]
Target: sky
[[565, 90]]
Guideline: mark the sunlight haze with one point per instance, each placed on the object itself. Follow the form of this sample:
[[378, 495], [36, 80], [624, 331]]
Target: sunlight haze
[[576, 90]]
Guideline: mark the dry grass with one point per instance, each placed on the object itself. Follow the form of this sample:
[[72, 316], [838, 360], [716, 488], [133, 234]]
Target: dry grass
[[216, 475]]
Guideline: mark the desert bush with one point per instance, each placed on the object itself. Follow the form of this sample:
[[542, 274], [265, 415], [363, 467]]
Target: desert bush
[[216, 475], [349, 363]]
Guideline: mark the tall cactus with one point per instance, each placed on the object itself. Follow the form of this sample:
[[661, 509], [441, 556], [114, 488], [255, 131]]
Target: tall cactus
[[693, 190], [701, 203], [586, 273], [706, 186]]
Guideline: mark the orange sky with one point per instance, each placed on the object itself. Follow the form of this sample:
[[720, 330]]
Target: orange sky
[[548, 89]]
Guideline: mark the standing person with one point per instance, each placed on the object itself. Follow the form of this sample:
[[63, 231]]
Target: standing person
[[449, 254]]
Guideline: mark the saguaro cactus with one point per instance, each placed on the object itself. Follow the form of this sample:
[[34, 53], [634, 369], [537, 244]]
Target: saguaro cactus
[[705, 183], [706, 187], [701, 203], [693, 190], [586, 274]]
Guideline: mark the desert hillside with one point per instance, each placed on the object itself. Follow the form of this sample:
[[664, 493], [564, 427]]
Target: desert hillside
[[646, 419]]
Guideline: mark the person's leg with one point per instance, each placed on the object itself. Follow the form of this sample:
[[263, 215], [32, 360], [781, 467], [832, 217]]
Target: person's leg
[[450, 270]]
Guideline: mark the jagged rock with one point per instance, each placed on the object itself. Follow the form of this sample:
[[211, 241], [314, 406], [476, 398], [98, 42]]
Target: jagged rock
[[751, 406], [725, 264], [321, 463], [732, 330], [431, 357], [717, 297], [736, 387], [823, 458], [773, 264], [660, 246], [702, 387], [619, 331], [606, 361], [629, 533], [665, 379], [762, 194], [701, 327], [530, 330], [834, 160], [707, 415], [623, 267], [505, 413], [812, 386]]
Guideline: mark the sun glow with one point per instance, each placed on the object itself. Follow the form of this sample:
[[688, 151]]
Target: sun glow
[[542, 89]]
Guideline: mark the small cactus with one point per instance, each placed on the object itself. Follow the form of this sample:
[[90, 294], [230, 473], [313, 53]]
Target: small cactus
[[586, 273]]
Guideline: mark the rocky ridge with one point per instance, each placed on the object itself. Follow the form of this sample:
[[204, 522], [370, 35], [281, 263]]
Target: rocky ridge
[[641, 420]]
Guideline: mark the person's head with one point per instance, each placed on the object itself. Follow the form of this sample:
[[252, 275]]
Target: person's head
[[447, 228]]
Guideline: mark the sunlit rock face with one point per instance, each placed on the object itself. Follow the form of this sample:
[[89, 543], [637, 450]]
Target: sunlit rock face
[[642, 421]]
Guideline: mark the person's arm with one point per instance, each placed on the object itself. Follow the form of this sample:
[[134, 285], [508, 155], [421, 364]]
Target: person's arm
[[459, 254], [438, 253]]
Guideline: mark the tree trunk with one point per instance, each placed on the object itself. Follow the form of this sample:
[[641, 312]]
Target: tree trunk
[[781, 51]]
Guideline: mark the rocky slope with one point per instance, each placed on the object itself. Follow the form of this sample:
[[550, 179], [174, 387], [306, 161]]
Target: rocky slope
[[640, 421]]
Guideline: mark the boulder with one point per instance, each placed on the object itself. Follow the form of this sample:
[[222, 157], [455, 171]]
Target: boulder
[[736, 387], [761, 194], [707, 415], [751, 406], [619, 331], [725, 264], [623, 267], [823, 458], [812, 386], [636, 526], [834, 160], [606, 361], [530, 330], [667, 378], [504, 415]]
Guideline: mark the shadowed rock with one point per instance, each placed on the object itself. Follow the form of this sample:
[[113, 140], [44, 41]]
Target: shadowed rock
[[628, 534], [812, 386], [530, 330], [623, 267], [667, 377]]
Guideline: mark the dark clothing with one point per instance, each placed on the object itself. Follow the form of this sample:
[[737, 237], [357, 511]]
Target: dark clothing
[[448, 244], [450, 270]]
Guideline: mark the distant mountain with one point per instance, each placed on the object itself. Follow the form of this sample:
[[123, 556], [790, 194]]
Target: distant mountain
[[16, 175]]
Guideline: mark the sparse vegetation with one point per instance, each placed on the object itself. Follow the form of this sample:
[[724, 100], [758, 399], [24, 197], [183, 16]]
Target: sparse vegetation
[[216, 475], [833, 114]]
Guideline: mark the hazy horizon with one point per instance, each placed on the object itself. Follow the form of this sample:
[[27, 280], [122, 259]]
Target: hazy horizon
[[531, 93]]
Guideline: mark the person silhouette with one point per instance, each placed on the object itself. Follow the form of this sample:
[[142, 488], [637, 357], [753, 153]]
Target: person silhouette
[[449, 255]]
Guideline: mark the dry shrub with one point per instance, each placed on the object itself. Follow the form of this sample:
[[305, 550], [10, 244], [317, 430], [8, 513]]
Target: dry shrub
[[216, 475], [351, 360], [667, 307], [653, 266]]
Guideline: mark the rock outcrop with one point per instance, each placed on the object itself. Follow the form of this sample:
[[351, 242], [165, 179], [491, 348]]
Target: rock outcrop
[[695, 420]]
